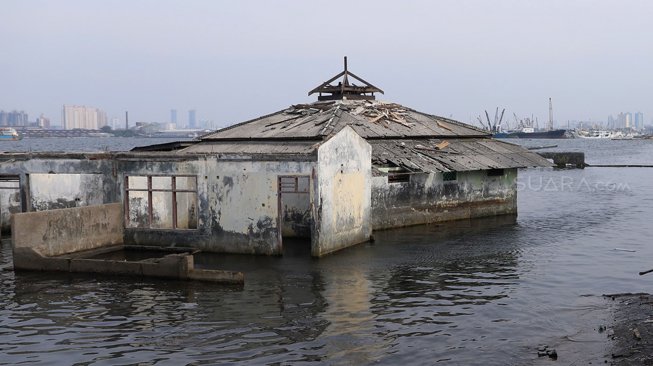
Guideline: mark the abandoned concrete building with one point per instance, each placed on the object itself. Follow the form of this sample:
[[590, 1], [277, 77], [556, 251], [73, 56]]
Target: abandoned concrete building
[[332, 171]]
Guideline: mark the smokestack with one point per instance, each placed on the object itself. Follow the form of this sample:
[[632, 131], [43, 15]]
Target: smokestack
[[126, 120]]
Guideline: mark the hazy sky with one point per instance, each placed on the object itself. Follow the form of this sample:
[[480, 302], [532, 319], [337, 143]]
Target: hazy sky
[[236, 60]]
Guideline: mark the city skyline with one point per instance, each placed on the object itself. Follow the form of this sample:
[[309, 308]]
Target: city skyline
[[236, 62]]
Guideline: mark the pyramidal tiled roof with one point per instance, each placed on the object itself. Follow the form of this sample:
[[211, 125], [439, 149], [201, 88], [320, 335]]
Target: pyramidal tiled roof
[[369, 118]]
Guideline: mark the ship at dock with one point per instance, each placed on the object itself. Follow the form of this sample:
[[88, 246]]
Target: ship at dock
[[531, 133], [526, 128], [9, 134]]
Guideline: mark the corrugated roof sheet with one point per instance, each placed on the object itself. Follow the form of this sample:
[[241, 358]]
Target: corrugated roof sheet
[[443, 155], [370, 119]]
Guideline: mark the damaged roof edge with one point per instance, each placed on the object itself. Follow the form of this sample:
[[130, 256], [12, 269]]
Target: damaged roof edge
[[207, 135], [454, 122]]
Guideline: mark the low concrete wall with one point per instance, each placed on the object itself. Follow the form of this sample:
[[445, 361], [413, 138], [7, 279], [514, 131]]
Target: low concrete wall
[[426, 198], [564, 159], [57, 232]]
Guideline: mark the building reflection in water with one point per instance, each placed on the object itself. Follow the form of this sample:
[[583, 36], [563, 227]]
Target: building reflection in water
[[354, 307]]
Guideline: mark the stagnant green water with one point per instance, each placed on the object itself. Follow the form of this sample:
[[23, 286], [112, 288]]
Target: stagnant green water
[[482, 292]]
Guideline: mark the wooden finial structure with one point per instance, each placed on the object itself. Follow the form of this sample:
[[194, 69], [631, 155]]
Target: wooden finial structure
[[344, 89]]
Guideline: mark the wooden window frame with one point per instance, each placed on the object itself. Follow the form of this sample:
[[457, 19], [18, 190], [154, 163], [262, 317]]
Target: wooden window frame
[[173, 189]]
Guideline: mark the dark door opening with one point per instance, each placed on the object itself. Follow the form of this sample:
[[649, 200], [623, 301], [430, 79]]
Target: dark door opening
[[295, 206], [9, 200]]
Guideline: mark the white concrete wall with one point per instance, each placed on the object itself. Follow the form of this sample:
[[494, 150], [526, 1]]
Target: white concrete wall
[[54, 191], [238, 204], [342, 202], [246, 200]]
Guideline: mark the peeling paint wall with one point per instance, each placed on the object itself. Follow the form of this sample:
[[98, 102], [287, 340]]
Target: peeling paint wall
[[54, 191], [234, 207], [342, 202], [251, 189], [237, 204], [428, 198]]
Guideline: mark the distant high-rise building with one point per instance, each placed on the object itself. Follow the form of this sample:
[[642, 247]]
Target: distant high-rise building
[[43, 122], [629, 120], [14, 118], [639, 120], [173, 116], [191, 119], [621, 120], [83, 117]]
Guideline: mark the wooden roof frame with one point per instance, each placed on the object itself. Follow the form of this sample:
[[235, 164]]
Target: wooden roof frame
[[344, 89]]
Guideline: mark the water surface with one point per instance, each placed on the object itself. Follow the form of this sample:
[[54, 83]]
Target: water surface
[[481, 292]]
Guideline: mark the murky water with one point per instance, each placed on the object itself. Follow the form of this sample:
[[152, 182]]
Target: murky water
[[482, 292]]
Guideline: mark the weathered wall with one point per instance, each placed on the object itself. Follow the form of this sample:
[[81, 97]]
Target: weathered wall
[[69, 230], [52, 180], [53, 191], [236, 207], [237, 200], [427, 198], [342, 200]]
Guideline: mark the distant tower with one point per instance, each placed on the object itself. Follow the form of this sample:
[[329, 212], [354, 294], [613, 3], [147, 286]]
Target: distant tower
[[639, 120], [173, 116], [126, 120], [550, 125], [191, 119]]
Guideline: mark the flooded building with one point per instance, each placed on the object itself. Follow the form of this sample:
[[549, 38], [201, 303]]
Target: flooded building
[[332, 171]]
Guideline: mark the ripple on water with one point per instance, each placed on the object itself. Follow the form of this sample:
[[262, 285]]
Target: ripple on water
[[469, 292]]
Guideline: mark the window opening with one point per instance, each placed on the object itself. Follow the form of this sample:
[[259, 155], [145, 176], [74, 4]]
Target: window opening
[[449, 176], [161, 202]]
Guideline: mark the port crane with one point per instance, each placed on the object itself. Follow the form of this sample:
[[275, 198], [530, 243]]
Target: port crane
[[495, 126]]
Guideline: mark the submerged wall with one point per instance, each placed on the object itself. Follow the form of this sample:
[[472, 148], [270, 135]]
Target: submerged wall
[[231, 206], [342, 203], [62, 231], [427, 198], [237, 204]]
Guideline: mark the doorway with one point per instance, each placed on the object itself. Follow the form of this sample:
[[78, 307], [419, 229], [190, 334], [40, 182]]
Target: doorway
[[295, 206], [9, 200]]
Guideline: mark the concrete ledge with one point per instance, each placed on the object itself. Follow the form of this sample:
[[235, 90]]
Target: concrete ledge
[[565, 159], [228, 277], [178, 266], [396, 217], [28, 258]]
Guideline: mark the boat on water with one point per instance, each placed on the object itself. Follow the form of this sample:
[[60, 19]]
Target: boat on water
[[9, 134], [608, 134], [531, 133], [595, 134], [526, 127]]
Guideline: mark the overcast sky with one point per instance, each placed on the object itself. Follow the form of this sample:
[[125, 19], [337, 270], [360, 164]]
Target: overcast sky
[[236, 60]]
